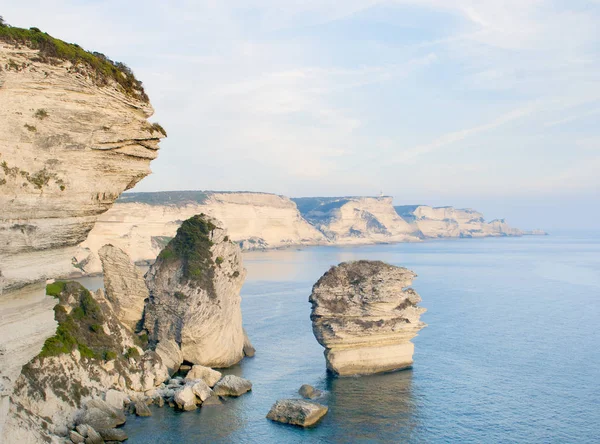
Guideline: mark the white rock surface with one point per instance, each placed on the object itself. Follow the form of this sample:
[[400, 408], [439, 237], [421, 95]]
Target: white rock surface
[[258, 220], [207, 374], [297, 412], [207, 322], [201, 390], [185, 398], [124, 285], [232, 385], [365, 315], [170, 354]]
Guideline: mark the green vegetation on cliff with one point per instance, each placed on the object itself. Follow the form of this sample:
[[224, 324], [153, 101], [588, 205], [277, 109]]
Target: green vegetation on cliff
[[81, 328], [103, 70], [192, 246]]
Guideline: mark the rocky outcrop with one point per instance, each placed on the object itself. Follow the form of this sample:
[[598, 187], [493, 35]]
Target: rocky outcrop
[[365, 316], [357, 220], [70, 144], [92, 353], [142, 223], [297, 412], [73, 135], [195, 295], [124, 285]]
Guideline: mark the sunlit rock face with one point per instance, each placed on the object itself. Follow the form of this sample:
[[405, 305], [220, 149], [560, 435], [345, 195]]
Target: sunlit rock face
[[195, 295], [68, 148], [365, 315]]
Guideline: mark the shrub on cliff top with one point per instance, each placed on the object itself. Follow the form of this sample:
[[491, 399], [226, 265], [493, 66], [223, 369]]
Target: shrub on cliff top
[[192, 246], [50, 48]]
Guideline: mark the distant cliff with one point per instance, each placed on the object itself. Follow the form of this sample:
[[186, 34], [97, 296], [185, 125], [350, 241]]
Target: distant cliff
[[142, 223]]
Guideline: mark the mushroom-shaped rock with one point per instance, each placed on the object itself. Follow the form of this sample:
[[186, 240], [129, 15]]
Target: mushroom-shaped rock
[[365, 316], [195, 294], [207, 374], [297, 412], [232, 385], [185, 398]]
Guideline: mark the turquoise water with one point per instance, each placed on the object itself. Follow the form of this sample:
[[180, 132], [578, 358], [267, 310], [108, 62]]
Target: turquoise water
[[511, 353]]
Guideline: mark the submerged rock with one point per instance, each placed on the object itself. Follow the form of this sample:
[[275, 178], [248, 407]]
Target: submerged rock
[[207, 374], [195, 295], [232, 385], [297, 412], [309, 392], [365, 316]]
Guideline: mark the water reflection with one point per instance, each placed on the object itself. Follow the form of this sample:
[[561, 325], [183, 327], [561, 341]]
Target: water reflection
[[378, 408]]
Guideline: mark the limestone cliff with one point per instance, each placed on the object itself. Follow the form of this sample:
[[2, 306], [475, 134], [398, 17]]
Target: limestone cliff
[[451, 222], [142, 223], [365, 316], [195, 299], [357, 220], [72, 138]]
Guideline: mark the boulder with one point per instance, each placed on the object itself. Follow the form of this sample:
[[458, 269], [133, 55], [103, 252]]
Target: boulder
[[309, 392], [185, 398], [297, 412], [118, 435], [98, 414], [195, 294], [201, 390], [232, 385], [116, 399], [93, 437], [365, 315], [207, 374], [170, 354], [76, 437], [141, 409], [124, 285], [211, 400], [82, 429]]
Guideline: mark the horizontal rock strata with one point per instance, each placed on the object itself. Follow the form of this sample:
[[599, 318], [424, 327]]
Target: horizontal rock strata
[[365, 316], [297, 412]]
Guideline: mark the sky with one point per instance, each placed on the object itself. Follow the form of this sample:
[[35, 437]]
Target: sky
[[488, 104]]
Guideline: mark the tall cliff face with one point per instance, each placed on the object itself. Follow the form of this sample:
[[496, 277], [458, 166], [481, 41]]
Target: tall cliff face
[[452, 222], [357, 220], [68, 147], [73, 135], [195, 295], [142, 223]]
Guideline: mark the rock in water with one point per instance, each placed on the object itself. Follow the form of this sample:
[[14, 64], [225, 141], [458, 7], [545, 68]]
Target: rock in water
[[309, 392], [101, 415], [185, 398], [297, 412], [117, 435], [365, 316], [124, 285], [232, 385], [195, 294], [207, 374], [249, 349]]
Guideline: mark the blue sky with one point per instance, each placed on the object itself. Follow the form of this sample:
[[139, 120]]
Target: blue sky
[[487, 104]]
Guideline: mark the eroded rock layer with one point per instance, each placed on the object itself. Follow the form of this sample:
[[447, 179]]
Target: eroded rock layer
[[195, 295], [68, 148], [365, 315]]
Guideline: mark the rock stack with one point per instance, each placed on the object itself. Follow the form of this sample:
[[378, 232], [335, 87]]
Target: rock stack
[[365, 316]]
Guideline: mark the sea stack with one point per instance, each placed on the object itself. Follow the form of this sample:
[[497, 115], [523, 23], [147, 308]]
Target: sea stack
[[365, 315], [195, 299]]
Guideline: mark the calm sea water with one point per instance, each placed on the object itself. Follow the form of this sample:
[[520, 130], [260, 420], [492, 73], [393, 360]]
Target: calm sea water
[[511, 353]]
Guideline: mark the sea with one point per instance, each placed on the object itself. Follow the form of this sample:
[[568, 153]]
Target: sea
[[511, 353]]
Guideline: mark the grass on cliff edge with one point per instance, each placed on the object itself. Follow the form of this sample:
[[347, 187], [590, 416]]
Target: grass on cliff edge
[[191, 245], [51, 49], [81, 328]]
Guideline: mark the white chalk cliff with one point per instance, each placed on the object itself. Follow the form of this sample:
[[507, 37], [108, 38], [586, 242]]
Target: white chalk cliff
[[72, 138], [365, 315]]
